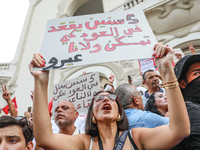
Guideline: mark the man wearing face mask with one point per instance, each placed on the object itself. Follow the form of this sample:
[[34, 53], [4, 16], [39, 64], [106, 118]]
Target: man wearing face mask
[[187, 71]]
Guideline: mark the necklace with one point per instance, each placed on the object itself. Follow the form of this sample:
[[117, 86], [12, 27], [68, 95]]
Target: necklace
[[100, 142]]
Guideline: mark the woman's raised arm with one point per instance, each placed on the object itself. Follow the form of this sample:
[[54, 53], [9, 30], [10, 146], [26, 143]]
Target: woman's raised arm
[[165, 137], [41, 120]]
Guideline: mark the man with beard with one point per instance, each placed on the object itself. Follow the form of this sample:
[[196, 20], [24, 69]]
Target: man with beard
[[151, 79], [187, 71], [65, 115]]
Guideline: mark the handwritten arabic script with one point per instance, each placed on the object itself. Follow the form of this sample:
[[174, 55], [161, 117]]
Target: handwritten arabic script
[[147, 64], [79, 91], [82, 40]]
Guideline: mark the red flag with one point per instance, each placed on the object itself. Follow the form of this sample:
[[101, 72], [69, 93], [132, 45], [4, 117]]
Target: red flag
[[50, 106], [14, 102], [6, 108]]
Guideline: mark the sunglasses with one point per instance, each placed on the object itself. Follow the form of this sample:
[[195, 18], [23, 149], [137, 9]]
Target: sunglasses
[[22, 119], [111, 97]]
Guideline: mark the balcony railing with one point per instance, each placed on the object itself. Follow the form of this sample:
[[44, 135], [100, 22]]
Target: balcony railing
[[136, 3], [4, 66], [5, 72]]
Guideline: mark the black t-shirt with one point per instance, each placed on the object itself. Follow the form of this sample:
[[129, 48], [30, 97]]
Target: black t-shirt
[[192, 142]]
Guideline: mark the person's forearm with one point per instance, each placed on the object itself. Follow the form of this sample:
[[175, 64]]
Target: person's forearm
[[178, 116], [194, 52], [41, 119], [12, 109]]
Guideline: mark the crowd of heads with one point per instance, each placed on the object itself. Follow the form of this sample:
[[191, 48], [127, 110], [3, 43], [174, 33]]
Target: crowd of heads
[[125, 95]]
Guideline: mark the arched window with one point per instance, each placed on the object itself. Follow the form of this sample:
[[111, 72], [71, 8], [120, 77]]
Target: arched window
[[90, 7]]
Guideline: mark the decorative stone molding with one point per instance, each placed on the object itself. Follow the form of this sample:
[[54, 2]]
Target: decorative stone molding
[[180, 33], [124, 64], [142, 4], [4, 66], [37, 2], [165, 38], [69, 71], [61, 9], [66, 8], [174, 15], [5, 76], [165, 10], [127, 5], [61, 15], [11, 88], [132, 3], [4, 80], [5, 73], [118, 68], [195, 28]]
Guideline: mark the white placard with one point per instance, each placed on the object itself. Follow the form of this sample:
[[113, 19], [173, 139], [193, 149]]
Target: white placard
[[79, 91], [147, 64], [97, 38]]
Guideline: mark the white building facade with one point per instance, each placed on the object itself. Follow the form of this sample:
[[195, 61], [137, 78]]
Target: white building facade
[[174, 22]]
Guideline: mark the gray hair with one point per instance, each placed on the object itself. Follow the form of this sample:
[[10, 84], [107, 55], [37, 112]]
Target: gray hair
[[125, 92], [144, 74]]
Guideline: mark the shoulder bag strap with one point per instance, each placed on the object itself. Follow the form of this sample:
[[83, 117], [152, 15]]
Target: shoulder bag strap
[[132, 142], [121, 141]]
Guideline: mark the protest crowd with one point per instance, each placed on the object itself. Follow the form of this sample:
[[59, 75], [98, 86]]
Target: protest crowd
[[124, 117], [162, 113]]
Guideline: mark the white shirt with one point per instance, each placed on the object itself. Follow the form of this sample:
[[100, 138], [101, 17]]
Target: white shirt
[[80, 122]]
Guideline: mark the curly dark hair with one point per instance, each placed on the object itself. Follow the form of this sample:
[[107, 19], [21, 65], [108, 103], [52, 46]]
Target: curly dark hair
[[150, 105], [91, 128]]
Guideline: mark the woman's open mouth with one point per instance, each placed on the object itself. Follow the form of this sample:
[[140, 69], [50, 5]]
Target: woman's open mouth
[[106, 106]]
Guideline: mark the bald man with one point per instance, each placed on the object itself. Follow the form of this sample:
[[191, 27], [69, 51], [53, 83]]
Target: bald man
[[65, 115]]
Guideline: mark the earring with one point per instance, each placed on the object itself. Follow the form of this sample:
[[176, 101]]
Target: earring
[[118, 118], [94, 120]]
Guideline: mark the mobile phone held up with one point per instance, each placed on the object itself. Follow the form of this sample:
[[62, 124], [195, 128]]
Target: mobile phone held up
[[129, 78]]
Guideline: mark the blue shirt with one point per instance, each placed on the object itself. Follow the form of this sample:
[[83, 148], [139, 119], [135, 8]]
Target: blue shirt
[[140, 118], [160, 90]]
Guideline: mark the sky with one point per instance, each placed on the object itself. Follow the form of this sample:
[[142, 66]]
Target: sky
[[12, 14]]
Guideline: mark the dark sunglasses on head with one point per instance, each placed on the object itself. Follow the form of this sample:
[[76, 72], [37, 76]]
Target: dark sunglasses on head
[[111, 97], [22, 119]]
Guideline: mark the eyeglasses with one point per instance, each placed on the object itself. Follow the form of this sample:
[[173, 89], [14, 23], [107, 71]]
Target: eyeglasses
[[111, 97], [138, 94]]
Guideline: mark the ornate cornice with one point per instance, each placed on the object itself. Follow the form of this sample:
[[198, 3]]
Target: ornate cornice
[[118, 68], [180, 33], [165, 10]]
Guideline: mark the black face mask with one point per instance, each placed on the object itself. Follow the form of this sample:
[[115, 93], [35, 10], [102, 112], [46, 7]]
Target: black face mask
[[192, 91]]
